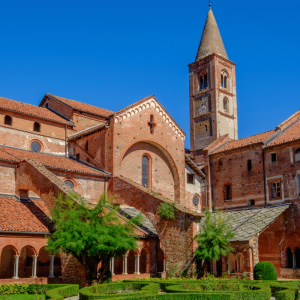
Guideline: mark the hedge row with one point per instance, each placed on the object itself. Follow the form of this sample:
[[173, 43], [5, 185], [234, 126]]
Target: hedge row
[[107, 291], [62, 292]]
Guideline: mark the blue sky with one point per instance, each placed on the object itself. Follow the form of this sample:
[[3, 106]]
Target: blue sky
[[113, 53]]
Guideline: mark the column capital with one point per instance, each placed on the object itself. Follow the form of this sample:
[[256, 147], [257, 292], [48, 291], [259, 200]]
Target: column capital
[[137, 255], [35, 256], [125, 255], [16, 256]]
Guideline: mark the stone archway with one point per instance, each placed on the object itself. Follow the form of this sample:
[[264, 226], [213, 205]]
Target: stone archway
[[8, 255]]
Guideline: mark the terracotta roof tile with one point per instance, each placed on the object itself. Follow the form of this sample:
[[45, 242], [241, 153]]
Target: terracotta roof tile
[[83, 106], [250, 140], [47, 160], [42, 205], [86, 131], [30, 110], [22, 216], [161, 197], [289, 135], [217, 143]]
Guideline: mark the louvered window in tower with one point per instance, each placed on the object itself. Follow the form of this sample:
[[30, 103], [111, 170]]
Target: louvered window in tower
[[145, 171]]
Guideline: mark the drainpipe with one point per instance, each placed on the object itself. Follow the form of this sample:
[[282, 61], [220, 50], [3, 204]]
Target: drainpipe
[[66, 145], [264, 174]]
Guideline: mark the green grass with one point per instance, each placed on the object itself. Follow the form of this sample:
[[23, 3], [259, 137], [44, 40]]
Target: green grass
[[22, 297]]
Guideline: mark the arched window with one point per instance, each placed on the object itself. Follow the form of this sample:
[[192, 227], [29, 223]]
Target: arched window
[[203, 82], [289, 255], [297, 155], [36, 147], [145, 171], [8, 120], [227, 192], [36, 127], [226, 104], [224, 79], [69, 183]]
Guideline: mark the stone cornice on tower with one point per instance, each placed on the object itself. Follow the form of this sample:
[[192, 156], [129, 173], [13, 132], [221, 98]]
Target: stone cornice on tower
[[211, 40]]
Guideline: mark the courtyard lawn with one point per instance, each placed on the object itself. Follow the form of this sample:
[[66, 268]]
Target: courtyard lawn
[[22, 297]]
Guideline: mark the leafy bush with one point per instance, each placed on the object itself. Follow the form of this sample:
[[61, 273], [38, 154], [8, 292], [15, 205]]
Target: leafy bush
[[8, 289], [166, 211], [265, 270]]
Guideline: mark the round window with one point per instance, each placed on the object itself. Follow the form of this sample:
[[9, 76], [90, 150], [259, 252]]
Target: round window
[[36, 147], [196, 201], [69, 183]]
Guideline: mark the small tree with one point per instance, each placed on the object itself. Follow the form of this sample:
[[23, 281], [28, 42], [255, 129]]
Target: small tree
[[213, 240], [92, 234]]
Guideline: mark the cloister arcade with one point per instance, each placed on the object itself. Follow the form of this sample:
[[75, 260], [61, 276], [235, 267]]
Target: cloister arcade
[[28, 263], [136, 262]]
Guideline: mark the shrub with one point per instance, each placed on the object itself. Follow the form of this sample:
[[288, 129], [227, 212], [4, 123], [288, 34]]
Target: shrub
[[265, 271], [63, 291], [166, 211]]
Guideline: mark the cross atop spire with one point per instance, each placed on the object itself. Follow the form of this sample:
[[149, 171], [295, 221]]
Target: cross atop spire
[[211, 40], [209, 4]]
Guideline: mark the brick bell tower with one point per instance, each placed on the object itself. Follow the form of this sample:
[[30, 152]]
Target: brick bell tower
[[213, 108]]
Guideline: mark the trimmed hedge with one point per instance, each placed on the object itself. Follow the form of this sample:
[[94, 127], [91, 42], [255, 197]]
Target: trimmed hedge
[[265, 270], [63, 291], [110, 290]]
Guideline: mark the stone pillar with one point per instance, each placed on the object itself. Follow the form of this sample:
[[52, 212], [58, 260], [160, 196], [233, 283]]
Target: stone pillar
[[51, 270], [16, 266], [137, 264], [112, 266], [34, 265], [164, 266], [294, 259], [125, 264]]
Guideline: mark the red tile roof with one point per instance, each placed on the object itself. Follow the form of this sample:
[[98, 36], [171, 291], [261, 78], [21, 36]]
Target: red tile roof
[[87, 131], [217, 143], [83, 106], [31, 110], [47, 160], [250, 140], [289, 135], [42, 205], [22, 216]]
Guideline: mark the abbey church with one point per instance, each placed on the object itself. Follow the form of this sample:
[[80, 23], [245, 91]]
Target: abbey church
[[138, 155]]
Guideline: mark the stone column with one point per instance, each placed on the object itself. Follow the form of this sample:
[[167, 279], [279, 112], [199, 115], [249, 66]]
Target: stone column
[[294, 260], [34, 265], [16, 267], [112, 266], [51, 270], [125, 264], [137, 264], [164, 266]]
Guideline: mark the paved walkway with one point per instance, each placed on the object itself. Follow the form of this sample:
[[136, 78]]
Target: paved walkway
[[73, 298]]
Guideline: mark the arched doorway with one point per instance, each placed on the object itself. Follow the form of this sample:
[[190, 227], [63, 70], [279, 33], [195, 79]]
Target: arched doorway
[[160, 261], [240, 262], [43, 263], [143, 262], [26, 262], [131, 262], [118, 265], [289, 255], [231, 263], [219, 267], [7, 262], [297, 254], [57, 266]]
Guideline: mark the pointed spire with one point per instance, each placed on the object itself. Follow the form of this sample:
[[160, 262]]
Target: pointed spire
[[211, 40]]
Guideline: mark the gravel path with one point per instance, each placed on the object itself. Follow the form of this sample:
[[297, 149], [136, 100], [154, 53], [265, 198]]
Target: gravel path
[[73, 298]]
